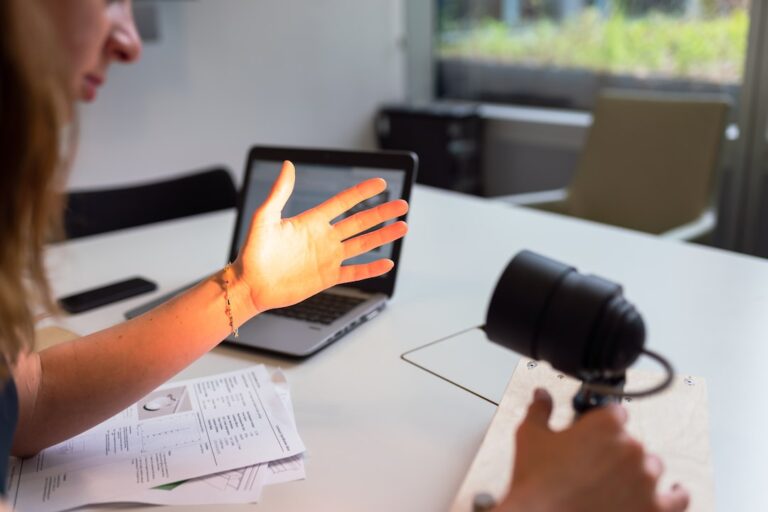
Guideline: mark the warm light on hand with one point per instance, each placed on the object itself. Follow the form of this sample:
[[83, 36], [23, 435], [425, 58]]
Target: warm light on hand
[[285, 261]]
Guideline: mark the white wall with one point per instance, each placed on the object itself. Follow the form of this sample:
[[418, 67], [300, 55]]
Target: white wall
[[228, 74]]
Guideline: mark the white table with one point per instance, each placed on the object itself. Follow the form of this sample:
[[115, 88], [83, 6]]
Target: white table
[[385, 435]]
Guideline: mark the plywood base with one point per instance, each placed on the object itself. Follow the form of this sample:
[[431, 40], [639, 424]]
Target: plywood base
[[674, 425], [50, 336]]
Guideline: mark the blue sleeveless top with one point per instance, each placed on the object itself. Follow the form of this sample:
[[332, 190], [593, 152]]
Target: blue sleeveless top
[[9, 417]]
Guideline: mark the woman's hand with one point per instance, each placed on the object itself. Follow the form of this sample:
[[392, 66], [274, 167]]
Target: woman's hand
[[593, 466], [285, 261]]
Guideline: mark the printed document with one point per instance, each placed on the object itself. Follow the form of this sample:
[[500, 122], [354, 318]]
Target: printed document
[[181, 431], [231, 487]]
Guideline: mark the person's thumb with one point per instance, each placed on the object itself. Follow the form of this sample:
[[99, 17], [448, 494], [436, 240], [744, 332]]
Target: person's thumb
[[676, 500], [540, 410], [281, 191]]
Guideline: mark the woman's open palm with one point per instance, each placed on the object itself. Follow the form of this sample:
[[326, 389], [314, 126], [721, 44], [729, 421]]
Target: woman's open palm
[[285, 261]]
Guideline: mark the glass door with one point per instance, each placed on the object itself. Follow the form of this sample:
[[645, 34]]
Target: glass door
[[744, 217]]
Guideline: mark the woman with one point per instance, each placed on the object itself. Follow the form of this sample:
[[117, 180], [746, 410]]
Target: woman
[[592, 466], [51, 384]]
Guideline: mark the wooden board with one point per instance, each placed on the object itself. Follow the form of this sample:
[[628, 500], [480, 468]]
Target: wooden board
[[50, 336], [673, 424]]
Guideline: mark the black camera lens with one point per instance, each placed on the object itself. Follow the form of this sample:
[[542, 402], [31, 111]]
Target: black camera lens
[[580, 324]]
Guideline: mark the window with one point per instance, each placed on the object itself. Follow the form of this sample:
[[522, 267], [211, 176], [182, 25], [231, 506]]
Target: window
[[560, 53]]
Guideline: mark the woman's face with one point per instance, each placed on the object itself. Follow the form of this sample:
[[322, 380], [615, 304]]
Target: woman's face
[[94, 33]]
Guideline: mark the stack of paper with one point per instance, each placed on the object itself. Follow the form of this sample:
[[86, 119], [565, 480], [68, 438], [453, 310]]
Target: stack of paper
[[213, 440]]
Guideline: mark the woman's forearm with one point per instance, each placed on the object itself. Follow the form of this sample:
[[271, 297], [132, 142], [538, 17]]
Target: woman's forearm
[[69, 388]]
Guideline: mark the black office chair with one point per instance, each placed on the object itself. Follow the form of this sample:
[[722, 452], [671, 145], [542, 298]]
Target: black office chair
[[98, 211]]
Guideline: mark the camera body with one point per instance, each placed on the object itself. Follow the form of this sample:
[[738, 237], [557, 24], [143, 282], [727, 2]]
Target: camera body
[[580, 324]]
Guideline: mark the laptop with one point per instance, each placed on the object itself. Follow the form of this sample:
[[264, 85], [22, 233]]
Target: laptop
[[305, 328]]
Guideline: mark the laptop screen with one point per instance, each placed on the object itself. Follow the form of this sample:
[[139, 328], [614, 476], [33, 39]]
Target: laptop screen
[[316, 183]]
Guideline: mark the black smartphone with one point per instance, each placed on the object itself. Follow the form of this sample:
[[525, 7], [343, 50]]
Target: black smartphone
[[103, 295]]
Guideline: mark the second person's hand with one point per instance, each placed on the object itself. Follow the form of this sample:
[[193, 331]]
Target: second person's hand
[[286, 260], [592, 466]]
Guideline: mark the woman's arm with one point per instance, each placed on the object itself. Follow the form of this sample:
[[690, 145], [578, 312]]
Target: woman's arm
[[69, 388]]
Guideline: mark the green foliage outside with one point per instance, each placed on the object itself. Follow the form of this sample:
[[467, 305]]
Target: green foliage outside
[[655, 45]]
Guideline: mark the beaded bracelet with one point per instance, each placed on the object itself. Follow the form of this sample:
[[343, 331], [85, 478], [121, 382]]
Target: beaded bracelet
[[228, 307]]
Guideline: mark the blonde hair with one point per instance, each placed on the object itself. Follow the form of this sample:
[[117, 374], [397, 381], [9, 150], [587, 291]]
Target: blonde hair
[[34, 107]]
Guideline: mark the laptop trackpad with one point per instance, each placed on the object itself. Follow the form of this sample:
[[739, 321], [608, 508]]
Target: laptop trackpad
[[468, 360], [278, 334]]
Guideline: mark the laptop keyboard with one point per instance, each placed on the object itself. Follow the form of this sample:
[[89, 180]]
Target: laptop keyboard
[[323, 308]]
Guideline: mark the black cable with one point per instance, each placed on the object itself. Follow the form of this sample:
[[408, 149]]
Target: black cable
[[609, 391]]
